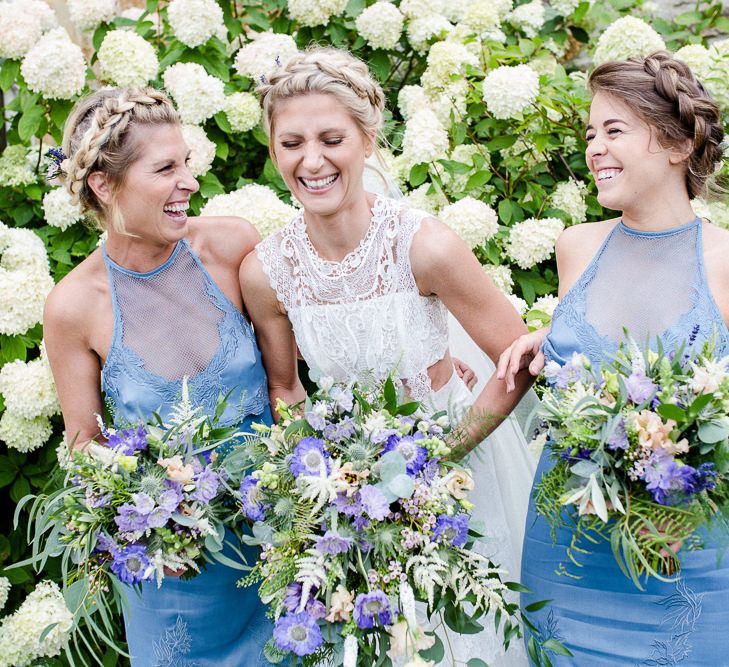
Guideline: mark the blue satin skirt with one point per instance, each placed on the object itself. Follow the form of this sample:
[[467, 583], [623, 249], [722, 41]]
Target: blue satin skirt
[[605, 620]]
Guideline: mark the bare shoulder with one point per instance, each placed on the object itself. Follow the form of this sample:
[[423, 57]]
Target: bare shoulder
[[576, 247], [434, 244], [715, 242], [226, 239]]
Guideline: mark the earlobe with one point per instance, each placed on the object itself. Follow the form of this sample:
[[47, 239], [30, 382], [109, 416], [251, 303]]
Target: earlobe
[[682, 154], [99, 184]]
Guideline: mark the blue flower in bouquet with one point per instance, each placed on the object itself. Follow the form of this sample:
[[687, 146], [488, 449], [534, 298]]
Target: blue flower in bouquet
[[298, 633], [105, 543], [292, 596], [453, 529], [344, 398], [619, 437], [342, 430], [415, 456], [310, 458], [133, 518], [131, 564], [171, 498], [564, 376], [317, 415], [333, 543], [704, 478], [253, 508], [206, 483], [582, 454], [374, 502], [316, 609], [668, 480], [640, 388], [370, 608], [348, 505], [127, 441]]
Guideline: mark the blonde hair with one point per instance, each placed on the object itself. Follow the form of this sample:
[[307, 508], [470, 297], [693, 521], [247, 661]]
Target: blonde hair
[[97, 138], [329, 71], [663, 91]]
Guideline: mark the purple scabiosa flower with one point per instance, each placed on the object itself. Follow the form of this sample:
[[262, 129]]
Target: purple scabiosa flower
[[317, 415], [374, 502], [453, 529], [582, 454], [298, 633], [310, 458], [316, 609], [333, 543], [131, 564], [344, 398], [171, 498], [348, 505], [158, 517], [206, 483], [292, 597], [370, 608], [130, 520], [668, 480], [415, 456], [640, 388], [430, 471], [704, 478], [360, 523], [253, 508], [619, 437], [338, 431], [94, 500], [105, 543], [127, 441]]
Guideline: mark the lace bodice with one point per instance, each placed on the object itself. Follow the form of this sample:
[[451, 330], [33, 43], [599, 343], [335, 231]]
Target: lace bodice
[[363, 315], [175, 322], [652, 283]]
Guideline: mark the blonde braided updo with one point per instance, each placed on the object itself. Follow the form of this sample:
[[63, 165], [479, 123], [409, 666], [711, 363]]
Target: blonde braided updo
[[664, 92], [330, 71], [97, 138]]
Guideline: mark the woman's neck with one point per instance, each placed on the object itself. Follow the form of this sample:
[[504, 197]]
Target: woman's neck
[[656, 216], [135, 254]]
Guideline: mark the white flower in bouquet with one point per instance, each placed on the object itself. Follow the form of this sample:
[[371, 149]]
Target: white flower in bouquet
[[519, 304], [243, 111], [445, 61], [25, 435], [474, 221], [58, 209], [315, 12], [564, 7], [4, 591], [256, 203], [202, 150], [19, 30], [127, 59], [422, 200], [425, 138], [20, 633], [194, 22], [15, 167], [265, 52], [28, 388], [627, 36], [38, 8], [509, 90], [197, 94], [532, 241], [421, 31], [381, 25], [89, 14], [55, 67], [529, 17], [569, 196], [546, 304], [500, 275], [717, 211], [697, 57]]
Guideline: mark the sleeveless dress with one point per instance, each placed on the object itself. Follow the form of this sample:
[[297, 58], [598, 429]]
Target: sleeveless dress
[[653, 283], [170, 323], [363, 317]]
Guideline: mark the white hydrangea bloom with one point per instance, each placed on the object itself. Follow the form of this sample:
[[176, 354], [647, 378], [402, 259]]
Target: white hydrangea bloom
[[697, 57], [413, 9], [519, 304], [258, 204], [546, 304], [716, 79], [510, 89], [194, 22], [315, 12], [716, 211], [202, 150], [243, 111], [529, 17], [381, 25], [265, 52], [474, 221], [55, 67], [15, 168], [127, 59], [59, 211], [19, 30], [481, 16], [4, 590], [135, 13], [89, 14], [20, 632], [532, 241], [564, 7], [455, 10], [410, 99], [627, 36], [28, 388], [445, 60], [422, 30], [501, 276], [569, 196], [40, 9], [421, 200], [425, 138], [197, 94], [25, 435]]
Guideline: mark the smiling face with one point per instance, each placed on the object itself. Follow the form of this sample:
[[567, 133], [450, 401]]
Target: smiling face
[[320, 151], [632, 170]]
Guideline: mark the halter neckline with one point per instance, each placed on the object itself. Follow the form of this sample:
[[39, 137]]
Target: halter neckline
[[632, 231], [142, 274]]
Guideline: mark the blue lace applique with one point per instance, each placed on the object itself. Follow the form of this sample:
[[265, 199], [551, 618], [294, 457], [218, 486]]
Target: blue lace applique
[[170, 650]]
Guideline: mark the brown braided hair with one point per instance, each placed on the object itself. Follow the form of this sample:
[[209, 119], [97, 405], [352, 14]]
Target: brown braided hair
[[97, 138], [663, 91]]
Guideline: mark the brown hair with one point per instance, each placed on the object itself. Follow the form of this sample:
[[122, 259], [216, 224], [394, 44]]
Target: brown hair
[[97, 138], [663, 91]]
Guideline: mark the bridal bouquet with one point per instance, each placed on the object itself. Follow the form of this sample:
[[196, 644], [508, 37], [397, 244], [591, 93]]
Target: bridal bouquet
[[154, 498], [641, 447], [359, 517]]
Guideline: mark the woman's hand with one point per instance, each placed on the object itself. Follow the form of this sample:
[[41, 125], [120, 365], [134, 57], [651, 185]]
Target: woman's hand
[[524, 352], [169, 572], [465, 372]]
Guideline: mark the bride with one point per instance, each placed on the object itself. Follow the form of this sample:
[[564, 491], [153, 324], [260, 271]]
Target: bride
[[361, 284]]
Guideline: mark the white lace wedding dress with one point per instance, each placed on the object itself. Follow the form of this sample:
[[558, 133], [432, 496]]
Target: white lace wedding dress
[[365, 316]]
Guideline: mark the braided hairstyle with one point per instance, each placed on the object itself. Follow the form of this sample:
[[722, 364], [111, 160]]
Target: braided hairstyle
[[97, 138], [331, 71], [664, 92]]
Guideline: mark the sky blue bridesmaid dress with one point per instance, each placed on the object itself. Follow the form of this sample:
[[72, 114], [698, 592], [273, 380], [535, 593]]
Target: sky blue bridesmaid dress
[[170, 323], [653, 283]]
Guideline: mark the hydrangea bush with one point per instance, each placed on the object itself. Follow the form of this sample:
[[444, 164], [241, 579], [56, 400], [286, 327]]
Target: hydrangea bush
[[486, 108]]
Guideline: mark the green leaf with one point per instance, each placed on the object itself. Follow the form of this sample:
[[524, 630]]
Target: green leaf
[[556, 647], [379, 63], [30, 122], [670, 411], [222, 122], [407, 409], [688, 18], [19, 489], [476, 662], [536, 606], [418, 174], [210, 185], [477, 180], [8, 74], [18, 575], [713, 432], [12, 348], [436, 652], [505, 211], [501, 142], [402, 486]]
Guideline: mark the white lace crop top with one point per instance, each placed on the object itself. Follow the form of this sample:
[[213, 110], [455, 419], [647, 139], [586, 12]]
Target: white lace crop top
[[362, 316]]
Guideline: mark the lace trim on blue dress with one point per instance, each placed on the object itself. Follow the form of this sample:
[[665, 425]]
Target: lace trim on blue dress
[[176, 642]]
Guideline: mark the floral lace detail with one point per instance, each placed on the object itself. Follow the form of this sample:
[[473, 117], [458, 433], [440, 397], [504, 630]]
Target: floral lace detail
[[170, 650], [363, 314]]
